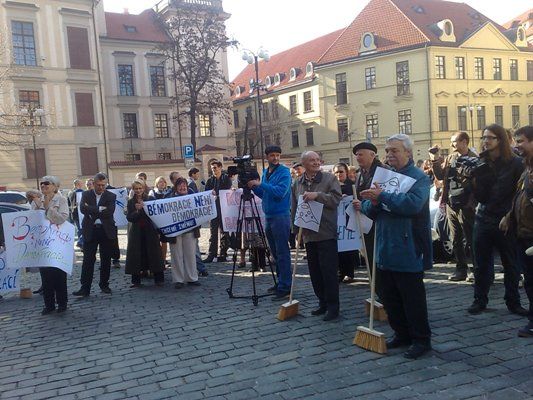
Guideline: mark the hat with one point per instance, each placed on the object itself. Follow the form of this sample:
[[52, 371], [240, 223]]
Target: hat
[[296, 165], [272, 149], [365, 146]]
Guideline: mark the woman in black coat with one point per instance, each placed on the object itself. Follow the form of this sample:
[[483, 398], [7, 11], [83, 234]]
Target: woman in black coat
[[348, 260], [143, 251]]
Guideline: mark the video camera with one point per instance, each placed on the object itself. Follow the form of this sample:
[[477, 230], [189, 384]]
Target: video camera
[[245, 169], [471, 167]]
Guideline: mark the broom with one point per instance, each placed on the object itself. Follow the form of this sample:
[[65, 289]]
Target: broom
[[379, 311], [368, 338], [290, 309]]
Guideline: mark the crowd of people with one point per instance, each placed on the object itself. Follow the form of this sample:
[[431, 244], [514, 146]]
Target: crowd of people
[[487, 199]]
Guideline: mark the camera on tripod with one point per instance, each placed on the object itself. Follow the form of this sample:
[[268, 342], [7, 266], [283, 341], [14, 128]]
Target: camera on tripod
[[468, 167], [245, 169]]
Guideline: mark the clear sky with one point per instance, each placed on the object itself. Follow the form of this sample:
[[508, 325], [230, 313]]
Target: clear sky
[[280, 24]]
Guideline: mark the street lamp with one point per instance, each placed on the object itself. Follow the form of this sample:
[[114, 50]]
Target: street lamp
[[33, 112], [471, 108], [252, 58]]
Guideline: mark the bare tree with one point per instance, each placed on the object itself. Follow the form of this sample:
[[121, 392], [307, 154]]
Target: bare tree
[[196, 42]]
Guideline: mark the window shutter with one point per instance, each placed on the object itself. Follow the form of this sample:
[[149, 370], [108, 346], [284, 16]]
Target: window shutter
[[84, 109], [30, 163], [78, 48], [89, 160]]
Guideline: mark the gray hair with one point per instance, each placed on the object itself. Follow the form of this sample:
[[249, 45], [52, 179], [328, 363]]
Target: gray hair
[[406, 140], [54, 180], [306, 154], [100, 176]]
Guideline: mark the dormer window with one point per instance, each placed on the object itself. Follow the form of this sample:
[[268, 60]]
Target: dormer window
[[309, 68], [268, 81], [293, 73], [277, 79], [130, 28], [444, 30], [238, 91], [367, 42], [419, 9], [521, 37]]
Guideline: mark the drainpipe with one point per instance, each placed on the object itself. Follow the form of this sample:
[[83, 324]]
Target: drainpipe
[[428, 71]]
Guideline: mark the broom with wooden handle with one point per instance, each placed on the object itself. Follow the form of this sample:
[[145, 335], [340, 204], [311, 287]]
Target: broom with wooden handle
[[368, 338], [290, 309], [379, 311]]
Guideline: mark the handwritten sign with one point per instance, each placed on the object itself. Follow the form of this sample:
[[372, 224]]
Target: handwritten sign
[[229, 208], [308, 214], [392, 182], [33, 241], [120, 204], [9, 278], [177, 215]]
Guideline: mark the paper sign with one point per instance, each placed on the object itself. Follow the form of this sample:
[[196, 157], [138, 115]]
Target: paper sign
[[32, 241], [308, 214], [229, 208], [120, 204], [366, 223], [9, 278], [392, 182], [347, 240], [177, 215]]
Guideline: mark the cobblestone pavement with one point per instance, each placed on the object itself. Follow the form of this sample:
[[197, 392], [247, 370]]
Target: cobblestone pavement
[[192, 343]]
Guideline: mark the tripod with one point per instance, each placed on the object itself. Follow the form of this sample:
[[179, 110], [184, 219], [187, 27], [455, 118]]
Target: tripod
[[252, 223]]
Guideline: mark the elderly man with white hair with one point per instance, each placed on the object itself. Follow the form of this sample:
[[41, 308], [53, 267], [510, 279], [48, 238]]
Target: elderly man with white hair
[[321, 246], [403, 249]]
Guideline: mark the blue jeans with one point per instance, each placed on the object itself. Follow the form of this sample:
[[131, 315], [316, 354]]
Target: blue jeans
[[277, 232]]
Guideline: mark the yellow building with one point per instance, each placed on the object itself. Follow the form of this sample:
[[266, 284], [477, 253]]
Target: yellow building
[[425, 68]]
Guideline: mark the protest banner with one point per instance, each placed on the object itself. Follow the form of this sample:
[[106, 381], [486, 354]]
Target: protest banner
[[120, 204], [177, 215], [308, 214], [392, 182], [32, 241], [229, 209], [347, 239], [9, 278]]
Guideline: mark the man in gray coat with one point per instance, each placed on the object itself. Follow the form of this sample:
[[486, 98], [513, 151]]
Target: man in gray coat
[[321, 246]]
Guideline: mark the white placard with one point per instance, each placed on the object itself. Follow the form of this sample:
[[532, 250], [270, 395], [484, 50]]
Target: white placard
[[229, 209], [32, 241], [308, 214], [9, 278], [347, 239], [120, 204], [366, 223], [392, 182], [177, 215]]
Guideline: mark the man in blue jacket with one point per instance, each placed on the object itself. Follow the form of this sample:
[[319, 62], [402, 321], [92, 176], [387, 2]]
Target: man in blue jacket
[[275, 191], [403, 249]]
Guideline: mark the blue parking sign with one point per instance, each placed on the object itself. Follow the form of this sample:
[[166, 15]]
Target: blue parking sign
[[188, 151]]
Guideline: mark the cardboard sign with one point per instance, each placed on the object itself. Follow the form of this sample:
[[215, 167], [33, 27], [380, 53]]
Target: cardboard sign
[[229, 208], [308, 214], [392, 182], [31, 240], [120, 204], [9, 278]]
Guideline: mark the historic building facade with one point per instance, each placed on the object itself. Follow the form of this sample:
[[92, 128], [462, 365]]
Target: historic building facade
[[424, 68]]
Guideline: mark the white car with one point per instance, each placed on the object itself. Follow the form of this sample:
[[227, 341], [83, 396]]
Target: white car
[[14, 197]]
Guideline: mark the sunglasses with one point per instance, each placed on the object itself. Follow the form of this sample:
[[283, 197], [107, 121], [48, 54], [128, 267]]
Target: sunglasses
[[45, 183]]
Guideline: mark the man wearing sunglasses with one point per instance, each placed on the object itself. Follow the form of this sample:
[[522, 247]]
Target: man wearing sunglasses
[[99, 232]]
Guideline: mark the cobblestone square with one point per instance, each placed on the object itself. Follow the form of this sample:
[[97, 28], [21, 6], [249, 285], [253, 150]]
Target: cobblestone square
[[193, 343]]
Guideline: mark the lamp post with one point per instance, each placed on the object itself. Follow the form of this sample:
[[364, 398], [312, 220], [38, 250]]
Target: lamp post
[[32, 112], [471, 108], [252, 58]]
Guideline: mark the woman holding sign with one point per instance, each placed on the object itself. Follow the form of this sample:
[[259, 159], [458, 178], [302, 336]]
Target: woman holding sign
[[143, 251], [183, 250], [53, 279]]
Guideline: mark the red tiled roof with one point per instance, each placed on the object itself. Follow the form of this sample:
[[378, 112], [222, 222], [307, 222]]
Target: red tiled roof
[[145, 23], [144, 162], [208, 147], [399, 24], [296, 57], [515, 22]]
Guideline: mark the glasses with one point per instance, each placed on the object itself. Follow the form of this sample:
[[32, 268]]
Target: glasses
[[45, 183], [488, 138]]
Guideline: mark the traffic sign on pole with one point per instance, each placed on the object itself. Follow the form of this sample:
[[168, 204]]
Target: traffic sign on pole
[[188, 151]]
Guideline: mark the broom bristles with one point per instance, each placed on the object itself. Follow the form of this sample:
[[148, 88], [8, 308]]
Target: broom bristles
[[369, 339], [288, 310]]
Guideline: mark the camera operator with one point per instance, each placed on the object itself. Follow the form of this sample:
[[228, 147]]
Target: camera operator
[[275, 191], [458, 197], [495, 182], [217, 182], [519, 221]]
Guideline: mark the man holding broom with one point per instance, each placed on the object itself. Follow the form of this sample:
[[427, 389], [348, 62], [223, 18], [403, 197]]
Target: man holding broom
[[321, 246], [403, 249]]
